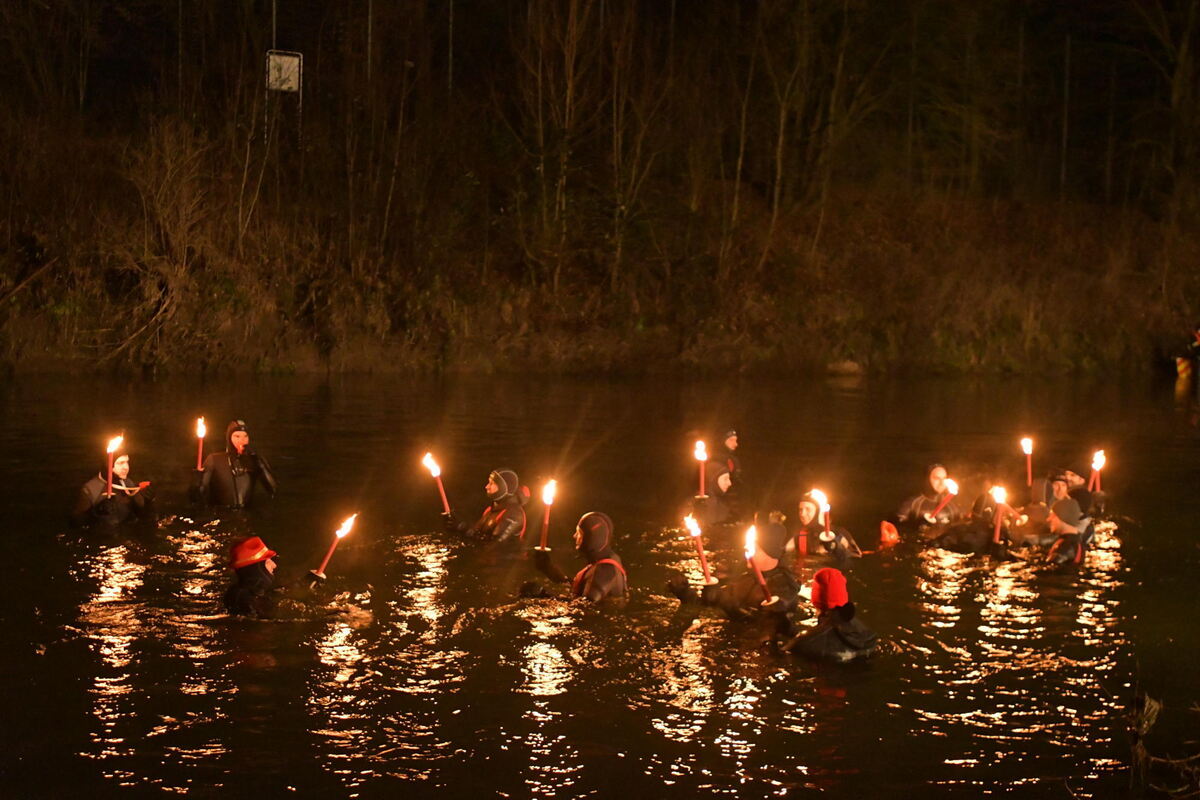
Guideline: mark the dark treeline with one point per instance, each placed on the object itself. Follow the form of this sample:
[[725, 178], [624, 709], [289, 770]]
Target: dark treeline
[[599, 183]]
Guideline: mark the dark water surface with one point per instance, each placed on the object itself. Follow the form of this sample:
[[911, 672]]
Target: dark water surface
[[419, 670]]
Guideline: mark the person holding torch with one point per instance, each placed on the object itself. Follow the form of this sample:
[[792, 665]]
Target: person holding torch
[[98, 504], [744, 596], [229, 478], [504, 518], [603, 576], [813, 536], [937, 502]]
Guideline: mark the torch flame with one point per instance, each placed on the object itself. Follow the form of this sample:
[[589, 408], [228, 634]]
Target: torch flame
[[201, 431], [692, 526], [701, 452], [751, 541], [821, 499], [347, 524], [999, 494], [951, 486], [431, 465], [1027, 446], [114, 443], [548, 492], [1098, 460]]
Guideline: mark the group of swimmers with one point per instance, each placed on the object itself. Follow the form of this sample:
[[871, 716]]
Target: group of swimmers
[[1059, 517]]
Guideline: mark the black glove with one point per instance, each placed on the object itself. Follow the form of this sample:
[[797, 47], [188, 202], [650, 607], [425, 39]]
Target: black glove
[[106, 507], [451, 524], [196, 489]]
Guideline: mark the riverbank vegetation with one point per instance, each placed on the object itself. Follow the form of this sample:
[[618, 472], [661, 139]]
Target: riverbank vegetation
[[584, 185]]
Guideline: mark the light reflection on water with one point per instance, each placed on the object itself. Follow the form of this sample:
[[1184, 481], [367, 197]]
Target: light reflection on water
[[419, 663], [1016, 682], [1015, 651], [111, 619]]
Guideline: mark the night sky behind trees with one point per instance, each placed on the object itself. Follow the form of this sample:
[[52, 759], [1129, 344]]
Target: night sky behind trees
[[600, 184]]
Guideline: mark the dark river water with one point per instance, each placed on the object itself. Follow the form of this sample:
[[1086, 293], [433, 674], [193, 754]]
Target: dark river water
[[417, 668]]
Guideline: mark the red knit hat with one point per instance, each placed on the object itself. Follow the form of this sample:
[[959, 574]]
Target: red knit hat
[[249, 551], [829, 589]]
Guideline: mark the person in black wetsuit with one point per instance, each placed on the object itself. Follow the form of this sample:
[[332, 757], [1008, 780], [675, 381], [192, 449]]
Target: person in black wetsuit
[[727, 457], [129, 500], [915, 511], [742, 596], [714, 508], [603, 576], [1074, 532], [229, 478], [504, 518], [1090, 503], [839, 635], [810, 537], [251, 594]]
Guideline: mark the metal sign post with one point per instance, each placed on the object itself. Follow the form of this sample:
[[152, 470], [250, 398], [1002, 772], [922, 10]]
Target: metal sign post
[[285, 73]]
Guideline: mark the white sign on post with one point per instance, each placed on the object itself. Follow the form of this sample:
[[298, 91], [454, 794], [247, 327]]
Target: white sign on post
[[285, 70]]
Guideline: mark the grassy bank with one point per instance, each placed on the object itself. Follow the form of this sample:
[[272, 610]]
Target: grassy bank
[[148, 255]]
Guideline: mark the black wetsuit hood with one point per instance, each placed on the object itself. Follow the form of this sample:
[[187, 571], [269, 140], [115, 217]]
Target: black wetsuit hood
[[597, 530], [230, 429], [508, 485], [772, 539]]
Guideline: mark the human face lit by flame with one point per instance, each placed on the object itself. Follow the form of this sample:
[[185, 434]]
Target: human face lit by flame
[[1060, 490], [1074, 480], [239, 439], [121, 467], [807, 511], [491, 488], [937, 479]]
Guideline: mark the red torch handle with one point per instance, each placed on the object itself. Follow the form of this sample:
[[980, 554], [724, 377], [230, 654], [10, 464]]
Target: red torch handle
[[442, 492], [762, 582], [328, 555], [701, 478], [942, 504], [199, 453], [828, 514], [545, 527], [1029, 469], [998, 517], [108, 491], [703, 560]]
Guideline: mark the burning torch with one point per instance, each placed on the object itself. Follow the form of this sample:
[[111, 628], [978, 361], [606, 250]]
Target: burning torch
[[751, 546], [701, 455], [113, 444], [436, 472], [201, 431], [1098, 460], [1027, 449], [548, 492], [951, 493], [338, 535], [823, 505], [694, 529]]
